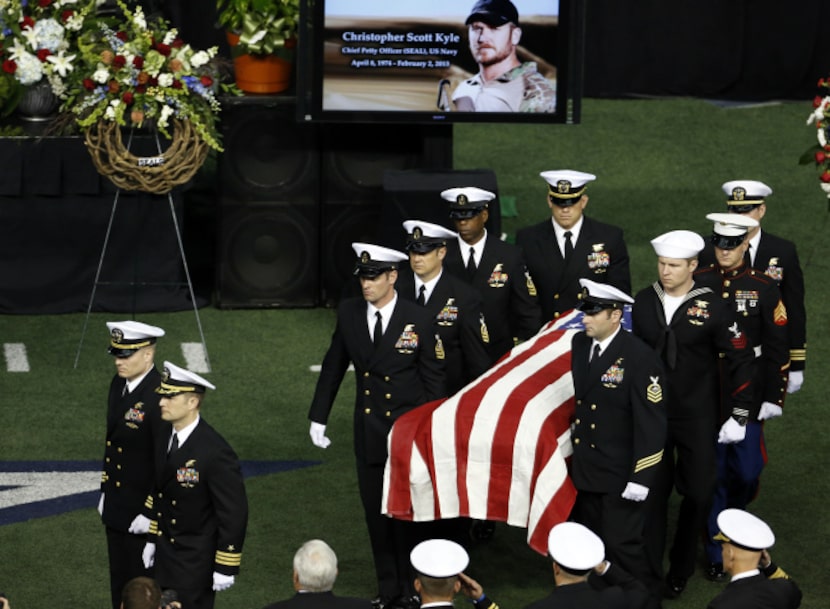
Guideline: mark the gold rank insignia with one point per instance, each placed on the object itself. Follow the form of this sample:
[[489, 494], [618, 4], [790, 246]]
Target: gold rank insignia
[[485, 333], [654, 393], [780, 314], [531, 287], [439, 348]]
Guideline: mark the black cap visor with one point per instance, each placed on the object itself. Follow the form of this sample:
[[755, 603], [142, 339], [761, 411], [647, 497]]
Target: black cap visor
[[726, 242], [370, 270], [743, 207], [465, 214], [423, 247]]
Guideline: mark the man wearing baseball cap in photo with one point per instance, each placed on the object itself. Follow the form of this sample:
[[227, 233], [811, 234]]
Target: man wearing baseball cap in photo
[[439, 565], [578, 564], [391, 342], [756, 301], [569, 246], [776, 258], [618, 431], [199, 507], [503, 83], [494, 268], [756, 581], [691, 328]]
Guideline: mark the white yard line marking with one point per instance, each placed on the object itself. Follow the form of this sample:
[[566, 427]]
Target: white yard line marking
[[194, 357], [16, 358]]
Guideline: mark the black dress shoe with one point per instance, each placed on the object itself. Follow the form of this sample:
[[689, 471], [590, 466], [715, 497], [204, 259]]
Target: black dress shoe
[[674, 586], [715, 572]]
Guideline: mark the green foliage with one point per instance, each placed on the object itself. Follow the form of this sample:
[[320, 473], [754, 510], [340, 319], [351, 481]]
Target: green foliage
[[264, 26]]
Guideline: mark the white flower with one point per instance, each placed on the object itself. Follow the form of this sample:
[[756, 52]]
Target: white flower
[[29, 69], [166, 80], [109, 113], [49, 34], [63, 63], [166, 111], [170, 36], [199, 59], [826, 188], [822, 137], [101, 75], [138, 18]]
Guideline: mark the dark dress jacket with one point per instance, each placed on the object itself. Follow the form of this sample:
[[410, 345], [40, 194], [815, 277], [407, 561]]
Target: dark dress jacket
[[133, 424], [201, 510], [401, 374], [461, 329], [320, 600], [758, 592], [509, 299], [619, 427], [600, 254]]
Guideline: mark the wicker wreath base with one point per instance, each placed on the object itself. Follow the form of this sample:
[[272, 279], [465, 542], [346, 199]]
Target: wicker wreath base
[[159, 174]]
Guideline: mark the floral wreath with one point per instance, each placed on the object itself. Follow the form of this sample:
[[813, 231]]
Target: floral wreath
[[820, 154]]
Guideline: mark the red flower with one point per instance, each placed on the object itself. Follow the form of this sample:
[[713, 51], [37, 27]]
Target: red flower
[[178, 43], [206, 81], [820, 82], [44, 3], [119, 61], [177, 84], [825, 177], [9, 67], [138, 62], [42, 54], [140, 89], [27, 22], [817, 101], [820, 157], [122, 36], [164, 49], [127, 98], [67, 15], [89, 84]]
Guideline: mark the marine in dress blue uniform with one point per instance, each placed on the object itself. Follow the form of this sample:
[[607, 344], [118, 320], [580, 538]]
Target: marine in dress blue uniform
[[597, 252], [690, 327], [133, 425], [496, 269], [396, 370], [756, 301], [199, 507]]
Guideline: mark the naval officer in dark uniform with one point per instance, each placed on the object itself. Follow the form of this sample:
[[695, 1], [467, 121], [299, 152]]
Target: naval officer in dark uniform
[[459, 324], [133, 425], [496, 269], [392, 345], [199, 505], [776, 258], [756, 300], [619, 429], [570, 246], [690, 327]]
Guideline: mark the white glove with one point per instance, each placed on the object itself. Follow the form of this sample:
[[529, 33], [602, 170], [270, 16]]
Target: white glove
[[222, 582], [635, 492], [140, 525], [318, 435], [731, 432], [101, 505], [769, 411], [795, 381], [148, 555]]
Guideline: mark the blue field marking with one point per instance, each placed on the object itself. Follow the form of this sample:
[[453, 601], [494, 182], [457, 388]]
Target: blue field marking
[[37, 489]]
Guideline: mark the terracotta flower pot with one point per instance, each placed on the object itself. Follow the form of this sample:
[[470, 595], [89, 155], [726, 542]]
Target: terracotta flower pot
[[260, 73]]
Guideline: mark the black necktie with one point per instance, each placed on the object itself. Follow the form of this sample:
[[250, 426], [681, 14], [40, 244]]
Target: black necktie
[[594, 355], [471, 263], [378, 332], [748, 257], [421, 296], [125, 390], [569, 246], [174, 444]]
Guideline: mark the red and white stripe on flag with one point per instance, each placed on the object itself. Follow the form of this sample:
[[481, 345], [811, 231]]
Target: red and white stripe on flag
[[497, 449]]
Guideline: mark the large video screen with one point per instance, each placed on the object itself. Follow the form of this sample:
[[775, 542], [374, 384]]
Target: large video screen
[[440, 60]]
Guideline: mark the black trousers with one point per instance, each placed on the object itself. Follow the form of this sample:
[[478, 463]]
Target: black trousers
[[124, 550]]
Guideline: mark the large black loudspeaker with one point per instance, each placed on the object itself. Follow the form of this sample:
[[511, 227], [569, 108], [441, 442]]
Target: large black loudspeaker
[[270, 222], [355, 158], [416, 195]]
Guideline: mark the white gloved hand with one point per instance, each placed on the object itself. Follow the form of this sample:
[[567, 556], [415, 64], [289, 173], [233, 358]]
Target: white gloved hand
[[101, 505], [148, 555], [140, 525], [731, 432], [222, 582], [318, 435], [795, 381], [769, 411], [635, 492]]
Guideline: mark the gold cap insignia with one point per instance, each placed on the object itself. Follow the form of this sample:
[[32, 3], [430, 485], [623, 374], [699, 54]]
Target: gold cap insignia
[[563, 186], [165, 374], [738, 193], [117, 335], [462, 200], [417, 233], [365, 257]]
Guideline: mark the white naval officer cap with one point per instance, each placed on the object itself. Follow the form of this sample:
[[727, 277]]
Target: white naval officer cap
[[565, 186], [467, 201], [678, 244], [372, 260], [730, 229], [598, 296], [127, 337], [426, 236], [744, 195], [439, 558], [175, 380], [744, 530], [575, 547]]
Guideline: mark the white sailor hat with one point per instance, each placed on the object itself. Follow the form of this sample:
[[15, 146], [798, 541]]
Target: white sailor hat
[[744, 530], [565, 186], [439, 558], [424, 236], [575, 547], [372, 260], [730, 229], [466, 202], [745, 195], [678, 244], [176, 380], [598, 296], [127, 337]]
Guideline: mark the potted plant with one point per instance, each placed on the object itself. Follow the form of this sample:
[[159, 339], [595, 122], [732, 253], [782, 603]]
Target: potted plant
[[262, 35]]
